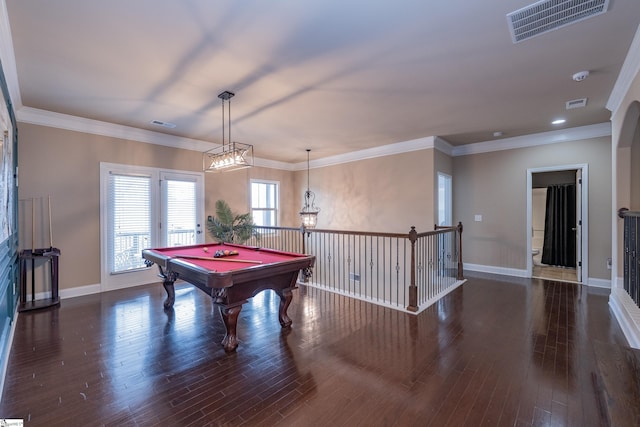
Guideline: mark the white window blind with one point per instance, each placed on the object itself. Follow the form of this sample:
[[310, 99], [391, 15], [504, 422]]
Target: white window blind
[[130, 226], [264, 203], [181, 205]]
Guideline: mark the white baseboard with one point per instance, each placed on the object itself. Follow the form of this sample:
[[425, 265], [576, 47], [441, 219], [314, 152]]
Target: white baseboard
[[440, 295], [599, 283], [495, 270], [627, 314], [590, 281], [72, 292], [82, 291]]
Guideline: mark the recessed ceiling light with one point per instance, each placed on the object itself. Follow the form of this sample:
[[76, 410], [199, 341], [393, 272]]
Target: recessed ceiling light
[[558, 121], [497, 134]]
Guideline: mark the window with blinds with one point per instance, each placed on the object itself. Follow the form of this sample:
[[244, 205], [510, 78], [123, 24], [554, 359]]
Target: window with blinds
[[264, 203], [129, 204]]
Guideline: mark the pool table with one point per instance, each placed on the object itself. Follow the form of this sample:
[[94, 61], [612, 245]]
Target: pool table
[[230, 280]]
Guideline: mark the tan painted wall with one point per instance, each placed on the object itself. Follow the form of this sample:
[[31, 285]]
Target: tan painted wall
[[66, 165], [382, 194], [233, 187], [494, 185]]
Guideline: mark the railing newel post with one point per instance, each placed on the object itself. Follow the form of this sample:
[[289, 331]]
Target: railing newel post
[[302, 231], [460, 265], [413, 289]]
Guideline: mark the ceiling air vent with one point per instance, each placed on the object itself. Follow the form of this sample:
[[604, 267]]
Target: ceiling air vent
[[163, 124], [576, 103], [548, 15]]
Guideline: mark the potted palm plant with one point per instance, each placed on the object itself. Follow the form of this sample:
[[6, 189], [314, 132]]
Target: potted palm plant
[[230, 227]]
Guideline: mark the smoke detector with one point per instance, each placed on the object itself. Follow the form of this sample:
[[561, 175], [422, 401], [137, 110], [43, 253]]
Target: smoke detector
[[580, 76]]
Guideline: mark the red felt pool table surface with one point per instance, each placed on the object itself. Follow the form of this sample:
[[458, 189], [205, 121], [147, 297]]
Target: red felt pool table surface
[[248, 256]]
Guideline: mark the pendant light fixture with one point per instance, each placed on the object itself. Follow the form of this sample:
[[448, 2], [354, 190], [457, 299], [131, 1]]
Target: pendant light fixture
[[231, 156], [309, 212]]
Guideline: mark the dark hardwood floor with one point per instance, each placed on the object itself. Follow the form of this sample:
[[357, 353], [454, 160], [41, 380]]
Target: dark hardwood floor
[[497, 351]]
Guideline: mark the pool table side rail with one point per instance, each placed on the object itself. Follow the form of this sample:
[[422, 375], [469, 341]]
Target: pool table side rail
[[194, 273]]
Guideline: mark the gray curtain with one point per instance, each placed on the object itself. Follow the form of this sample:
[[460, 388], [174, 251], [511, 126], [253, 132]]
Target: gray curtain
[[559, 226]]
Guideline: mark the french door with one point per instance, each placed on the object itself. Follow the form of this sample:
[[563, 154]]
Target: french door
[[181, 203], [145, 208]]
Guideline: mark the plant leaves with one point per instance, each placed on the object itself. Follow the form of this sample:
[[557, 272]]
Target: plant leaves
[[231, 227]]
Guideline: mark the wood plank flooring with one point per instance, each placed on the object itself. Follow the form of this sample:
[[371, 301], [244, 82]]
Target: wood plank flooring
[[497, 351]]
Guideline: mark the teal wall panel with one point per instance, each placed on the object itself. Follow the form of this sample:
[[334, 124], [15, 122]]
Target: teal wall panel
[[9, 294]]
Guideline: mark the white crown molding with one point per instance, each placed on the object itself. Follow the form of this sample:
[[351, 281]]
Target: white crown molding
[[370, 153], [544, 138], [273, 164], [444, 146], [96, 127], [630, 69], [8, 58]]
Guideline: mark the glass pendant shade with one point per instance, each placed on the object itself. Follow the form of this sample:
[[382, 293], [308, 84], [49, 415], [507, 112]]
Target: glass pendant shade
[[231, 156], [309, 212]]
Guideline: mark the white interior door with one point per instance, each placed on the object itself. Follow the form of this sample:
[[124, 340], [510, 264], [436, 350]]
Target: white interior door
[[579, 225]]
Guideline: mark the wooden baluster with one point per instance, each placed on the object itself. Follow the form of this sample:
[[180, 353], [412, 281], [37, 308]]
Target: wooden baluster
[[460, 269]]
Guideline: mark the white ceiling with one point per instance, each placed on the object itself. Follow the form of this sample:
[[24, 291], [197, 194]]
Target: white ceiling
[[331, 75]]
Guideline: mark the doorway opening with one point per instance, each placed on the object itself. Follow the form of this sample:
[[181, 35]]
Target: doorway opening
[[557, 222]]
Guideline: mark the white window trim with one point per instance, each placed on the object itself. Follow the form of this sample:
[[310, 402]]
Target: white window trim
[[266, 181], [143, 276]]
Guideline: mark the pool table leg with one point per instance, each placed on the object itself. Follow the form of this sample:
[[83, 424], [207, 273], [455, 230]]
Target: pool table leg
[[285, 299], [230, 319], [171, 293]]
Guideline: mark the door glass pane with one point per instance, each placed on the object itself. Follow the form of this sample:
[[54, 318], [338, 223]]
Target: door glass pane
[[444, 200], [130, 231], [181, 213]]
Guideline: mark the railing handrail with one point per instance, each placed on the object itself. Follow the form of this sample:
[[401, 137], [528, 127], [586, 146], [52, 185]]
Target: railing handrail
[[439, 230], [271, 227]]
